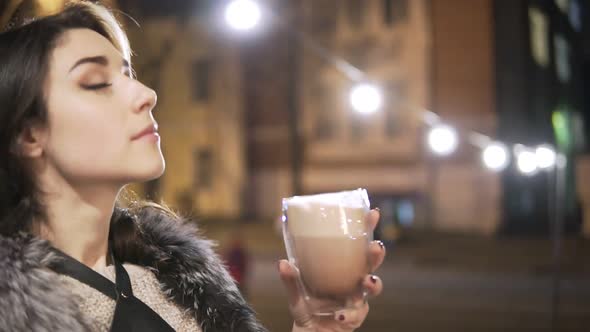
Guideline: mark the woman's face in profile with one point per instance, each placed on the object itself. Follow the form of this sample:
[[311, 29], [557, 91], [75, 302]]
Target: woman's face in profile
[[96, 111]]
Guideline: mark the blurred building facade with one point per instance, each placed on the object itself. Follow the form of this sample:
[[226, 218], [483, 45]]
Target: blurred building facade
[[508, 69], [467, 196], [414, 51], [343, 149]]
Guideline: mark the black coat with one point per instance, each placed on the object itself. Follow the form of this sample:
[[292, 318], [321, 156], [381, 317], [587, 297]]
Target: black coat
[[33, 298]]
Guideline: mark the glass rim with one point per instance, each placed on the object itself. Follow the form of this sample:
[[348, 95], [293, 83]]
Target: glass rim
[[335, 197]]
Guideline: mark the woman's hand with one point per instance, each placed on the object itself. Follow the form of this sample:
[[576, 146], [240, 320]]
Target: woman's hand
[[346, 320]]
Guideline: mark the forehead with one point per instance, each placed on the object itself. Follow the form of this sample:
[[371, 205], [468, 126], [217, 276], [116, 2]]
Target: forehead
[[75, 44]]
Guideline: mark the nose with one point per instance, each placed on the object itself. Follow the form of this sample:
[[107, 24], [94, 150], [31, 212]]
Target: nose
[[146, 100]]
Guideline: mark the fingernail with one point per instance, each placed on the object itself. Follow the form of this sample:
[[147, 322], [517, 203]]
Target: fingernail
[[373, 279], [380, 243], [377, 209], [341, 317]]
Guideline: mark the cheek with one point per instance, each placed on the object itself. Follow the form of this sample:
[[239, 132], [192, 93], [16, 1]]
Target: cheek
[[87, 136]]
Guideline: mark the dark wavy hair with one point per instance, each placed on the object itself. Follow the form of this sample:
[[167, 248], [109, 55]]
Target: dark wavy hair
[[25, 51]]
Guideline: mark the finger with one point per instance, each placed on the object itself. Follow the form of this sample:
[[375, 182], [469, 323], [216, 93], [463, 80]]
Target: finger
[[352, 318], [376, 254], [372, 219], [373, 284], [289, 275]]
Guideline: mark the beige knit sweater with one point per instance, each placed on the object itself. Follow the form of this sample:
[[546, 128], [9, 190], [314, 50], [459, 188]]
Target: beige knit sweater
[[99, 308]]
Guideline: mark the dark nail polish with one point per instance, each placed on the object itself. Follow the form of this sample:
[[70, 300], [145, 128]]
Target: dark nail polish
[[380, 243], [373, 279], [341, 317]]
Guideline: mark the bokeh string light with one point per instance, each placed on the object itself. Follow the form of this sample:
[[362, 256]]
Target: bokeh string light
[[526, 160], [495, 156], [442, 139], [366, 97], [242, 15]]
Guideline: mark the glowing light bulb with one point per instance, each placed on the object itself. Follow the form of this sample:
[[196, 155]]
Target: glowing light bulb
[[442, 139], [495, 156], [242, 14], [526, 161], [365, 98], [545, 157]]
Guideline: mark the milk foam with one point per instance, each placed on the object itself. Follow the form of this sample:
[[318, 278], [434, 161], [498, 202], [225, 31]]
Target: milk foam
[[327, 215]]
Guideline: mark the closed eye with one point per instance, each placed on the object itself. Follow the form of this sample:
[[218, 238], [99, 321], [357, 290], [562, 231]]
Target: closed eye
[[97, 86]]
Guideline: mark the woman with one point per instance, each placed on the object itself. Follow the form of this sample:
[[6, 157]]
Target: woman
[[75, 128]]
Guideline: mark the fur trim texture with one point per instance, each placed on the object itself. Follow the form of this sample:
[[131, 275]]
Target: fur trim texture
[[188, 269]]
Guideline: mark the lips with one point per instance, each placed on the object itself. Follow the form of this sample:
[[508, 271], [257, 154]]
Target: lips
[[150, 129]]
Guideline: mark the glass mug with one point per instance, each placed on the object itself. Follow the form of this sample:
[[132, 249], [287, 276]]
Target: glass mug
[[327, 239]]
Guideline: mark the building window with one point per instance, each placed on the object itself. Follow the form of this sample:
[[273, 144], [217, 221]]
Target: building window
[[358, 55], [201, 80], [539, 36], [391, 122], [398, 95], [575, 15], [355, 12], [394, 11], [562, 59], [324, 129], [203, 168], [563, 5], [324, 19], [324, 126], [358, 126]]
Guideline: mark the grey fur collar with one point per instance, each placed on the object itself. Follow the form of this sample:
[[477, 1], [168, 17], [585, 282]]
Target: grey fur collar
[[31, 298]]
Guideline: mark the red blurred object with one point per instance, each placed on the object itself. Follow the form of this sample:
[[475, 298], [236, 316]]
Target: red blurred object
[[237, 259]]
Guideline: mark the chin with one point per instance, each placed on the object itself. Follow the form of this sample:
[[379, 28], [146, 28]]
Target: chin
[[158, 172], [151, 173]]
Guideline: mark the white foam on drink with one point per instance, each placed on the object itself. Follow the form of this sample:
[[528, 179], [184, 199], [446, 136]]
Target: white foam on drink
[[354, 199], [327, 215]]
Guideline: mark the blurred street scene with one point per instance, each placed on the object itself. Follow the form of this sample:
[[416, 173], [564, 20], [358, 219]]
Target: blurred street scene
[[468, 122], [445, 282]]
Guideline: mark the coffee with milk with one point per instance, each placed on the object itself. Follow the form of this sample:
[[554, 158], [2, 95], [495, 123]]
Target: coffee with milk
[[329, 243]]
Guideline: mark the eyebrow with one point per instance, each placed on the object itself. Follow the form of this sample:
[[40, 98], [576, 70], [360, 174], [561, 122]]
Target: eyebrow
[[99, 59]]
